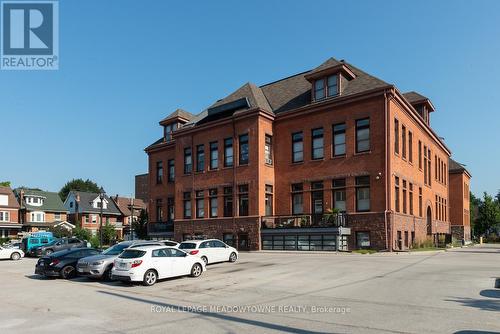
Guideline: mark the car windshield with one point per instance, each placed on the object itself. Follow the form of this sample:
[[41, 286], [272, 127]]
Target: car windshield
[[116, 249], [187, 245], [52, 242], [132, 254]]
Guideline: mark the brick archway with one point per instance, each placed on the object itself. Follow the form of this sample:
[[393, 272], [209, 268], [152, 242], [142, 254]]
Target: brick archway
[[429, 220]]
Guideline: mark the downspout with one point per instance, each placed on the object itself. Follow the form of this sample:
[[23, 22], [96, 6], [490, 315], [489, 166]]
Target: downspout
[[193, 192], [387, 173], [234, 177]]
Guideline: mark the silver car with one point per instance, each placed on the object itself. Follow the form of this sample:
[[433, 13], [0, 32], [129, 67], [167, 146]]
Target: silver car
[[99, 266]]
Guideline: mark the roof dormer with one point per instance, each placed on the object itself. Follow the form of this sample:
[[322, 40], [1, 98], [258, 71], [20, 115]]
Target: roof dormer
[[329, 79], [174, 121], [422, 105]]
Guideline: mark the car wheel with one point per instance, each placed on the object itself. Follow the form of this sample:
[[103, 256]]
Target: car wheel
[[68, 272], [204, 258], [49, 251], [150, 277], [15, 256], [196, 270], [107, 274], [233, 257]]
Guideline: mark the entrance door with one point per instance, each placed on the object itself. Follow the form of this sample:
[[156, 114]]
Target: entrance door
[[317, 202], [429, 221], [243, 242]]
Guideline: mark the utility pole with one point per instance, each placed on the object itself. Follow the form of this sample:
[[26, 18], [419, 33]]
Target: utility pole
[[101, 197]]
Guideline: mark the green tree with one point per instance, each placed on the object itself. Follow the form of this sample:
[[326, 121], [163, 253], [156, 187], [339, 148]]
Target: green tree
[[488, 216], [473, 210], [108, 234], [5, 184], [81, 233], [140, 226], [60, 232], [78, 185]]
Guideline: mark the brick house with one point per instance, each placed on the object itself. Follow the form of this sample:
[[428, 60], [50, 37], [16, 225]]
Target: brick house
[[40, 210], [85, 208], [459, 201], [130, 209], [9, 213], [262, 167]]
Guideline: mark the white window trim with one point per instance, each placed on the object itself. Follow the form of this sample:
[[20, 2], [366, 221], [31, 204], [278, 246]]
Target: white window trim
[[5, 217]]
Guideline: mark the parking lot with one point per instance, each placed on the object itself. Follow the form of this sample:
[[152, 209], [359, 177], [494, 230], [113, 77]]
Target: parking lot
[[423, 292]]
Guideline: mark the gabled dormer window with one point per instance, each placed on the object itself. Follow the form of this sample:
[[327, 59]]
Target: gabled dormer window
[[326, 87], [168, 129]]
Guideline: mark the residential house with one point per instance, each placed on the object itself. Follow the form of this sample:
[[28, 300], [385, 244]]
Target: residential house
[[41, 210], [130, 209], [85, 211], [9, 213]]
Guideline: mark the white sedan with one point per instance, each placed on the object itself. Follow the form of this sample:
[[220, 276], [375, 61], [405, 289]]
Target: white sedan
[[210, 250], [148, 264], [11, 253]]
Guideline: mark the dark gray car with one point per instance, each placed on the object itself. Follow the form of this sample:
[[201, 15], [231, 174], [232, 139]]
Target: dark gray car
[[58, 245]]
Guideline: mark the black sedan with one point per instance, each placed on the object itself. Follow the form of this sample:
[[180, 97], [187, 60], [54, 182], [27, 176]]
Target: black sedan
[[62, 264]]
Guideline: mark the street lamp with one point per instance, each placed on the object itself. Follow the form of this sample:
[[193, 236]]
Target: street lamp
[[101, 197]]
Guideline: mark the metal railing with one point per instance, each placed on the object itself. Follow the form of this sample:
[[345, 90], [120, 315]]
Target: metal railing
[[304, 221]]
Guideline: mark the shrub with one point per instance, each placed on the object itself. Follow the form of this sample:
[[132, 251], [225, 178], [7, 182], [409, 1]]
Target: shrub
[[426, 243], [94, 241]]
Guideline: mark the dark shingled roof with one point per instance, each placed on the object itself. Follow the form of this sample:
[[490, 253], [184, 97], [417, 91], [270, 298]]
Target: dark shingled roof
[[124, 204], [51, 202], [179, 113], [330, 62], [86, 200], [295, 91], [254, 94], [414, 97], [456, 167]]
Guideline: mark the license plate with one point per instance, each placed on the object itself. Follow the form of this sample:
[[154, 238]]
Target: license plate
[[80, 270], [122, 265], [42, 264]]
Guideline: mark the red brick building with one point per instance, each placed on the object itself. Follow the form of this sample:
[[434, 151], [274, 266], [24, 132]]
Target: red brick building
[[459, 201], [331, 158]]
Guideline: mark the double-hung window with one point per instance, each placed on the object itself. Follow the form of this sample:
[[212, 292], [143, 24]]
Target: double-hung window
[[200, 158], [297, 147], [188, 160], [339, 194], [200, 204], [362, 193], [297, 198], [339, 140], [317, 144], [243, 149], [228, 152], [243, 200], [214, 155], [187, 205], [362, 135], [171, 170], [213, 202]]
